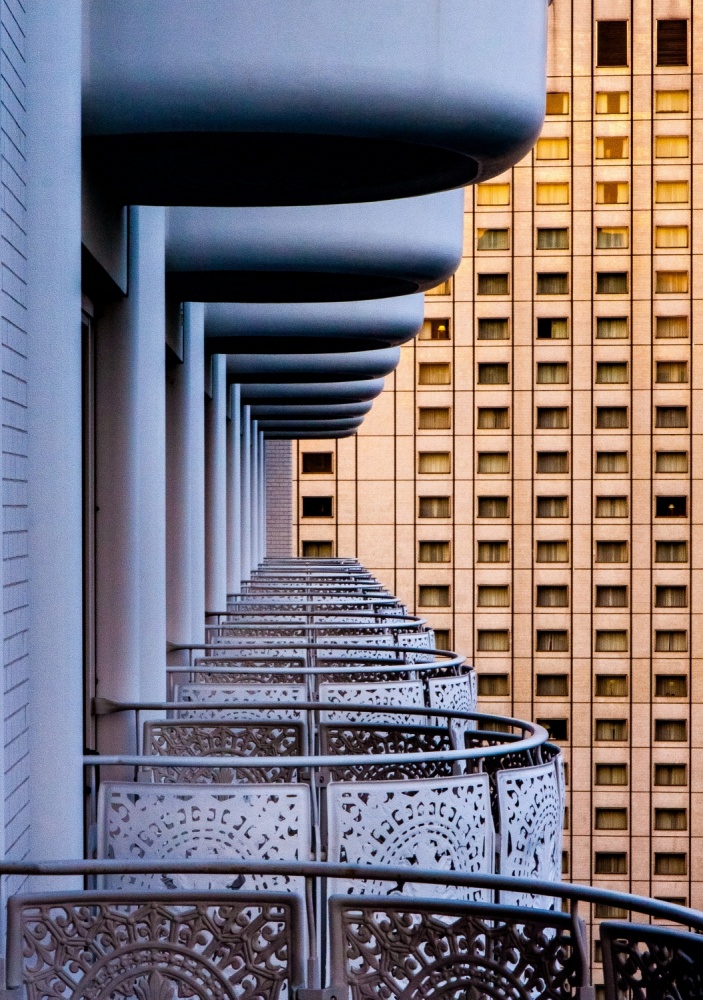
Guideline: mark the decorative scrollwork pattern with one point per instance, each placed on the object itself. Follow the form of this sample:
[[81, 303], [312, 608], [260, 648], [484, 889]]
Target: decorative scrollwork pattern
[[239, 694], [343, 739], [393, 693], [643, 962]]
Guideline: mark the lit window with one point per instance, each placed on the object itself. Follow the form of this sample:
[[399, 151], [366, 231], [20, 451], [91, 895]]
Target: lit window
[[549, 328], [612, 237], [434, 418], [493, 418], [672, 42], [671, 282], [553, 373], [557, 103], [671, 192], [493, 374], [671, 146], [493, 462], [612, 102], [434, 552], [611, 43], [433, 596], [672, 327], [671, 461], [493, 239], [671, 101], [434, 506], [612, 147], [493, 641], [443, 288], [612, 282], [611, 686], [611, 641], [611, 373], [434, 462], [493, 284], [493, 597], [493, 552], [493, 329], [612, 193], [434, 373], [671, 237], [552, 462], [612, 507], [552, 194], [552, 148], [552, 239], [553, 552], [672, 371], [493, 194], [435, 329], [612, 328]]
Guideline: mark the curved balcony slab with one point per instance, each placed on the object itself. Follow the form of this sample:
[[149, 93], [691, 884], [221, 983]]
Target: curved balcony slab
[[351, 365], [319, 393], [293, 412], [329, 423], [314, 253], [310, 101], [307, 435]]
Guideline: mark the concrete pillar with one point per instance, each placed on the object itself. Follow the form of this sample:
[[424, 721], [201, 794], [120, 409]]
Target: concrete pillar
[[185, 494], [234, 491], [262, 497], [246, 492], [131, 480], [216, 489], [254, 460], [53, 315]]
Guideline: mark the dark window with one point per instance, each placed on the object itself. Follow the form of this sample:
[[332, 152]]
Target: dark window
[[671, 641], [442, 638], [434, 507], [493, 239], [493, 284], [493, 374], [317, 506], [671, 506], [558, 729], [553, 685], [611, 417], [435, 329], [492, 506], [611, 506], [611, 774], [612, 282], [670, 819], [672, 42], [318, 550], [552, 417], [611, 552], [552, 462], [317, 461], [611, 597], [551, 283], [493, 418], [552, 506], [671, 686], [671, 596], [670, 864], [493, 329], [670, 730], [611, 685], [434, 552], [552, 641], [611, 49], [493, 640], [611, 819], [671, 552], [671, 416], [611, 730], [611, 863], [549, 328], [493, 685], [670, 774], [552, 239], [433, 597], [552, 596]]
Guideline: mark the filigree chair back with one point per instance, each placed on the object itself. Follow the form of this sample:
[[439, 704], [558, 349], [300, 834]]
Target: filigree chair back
[[357, 738], [239, 695], [390, 693], [650, 963]]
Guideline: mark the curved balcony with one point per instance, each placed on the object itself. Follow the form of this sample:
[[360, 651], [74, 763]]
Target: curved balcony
[[308, 102], [292, 411], [352, 365], [320, 393]]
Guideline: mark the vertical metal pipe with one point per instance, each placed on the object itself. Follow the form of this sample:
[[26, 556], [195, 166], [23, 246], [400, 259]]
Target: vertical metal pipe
[[216, 489]]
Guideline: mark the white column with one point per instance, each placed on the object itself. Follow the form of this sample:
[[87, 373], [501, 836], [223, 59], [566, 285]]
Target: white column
[[54, 418], [185, 494], [234, 491], [216, 489], [262, 497], [131, 480], [246, 492], [254, 535]]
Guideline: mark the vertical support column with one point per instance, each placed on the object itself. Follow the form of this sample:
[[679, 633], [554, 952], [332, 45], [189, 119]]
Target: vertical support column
[[216, 489], [53, 224], [254, 476], [131, 480], [185, 497], [234, 491], [262, 497], [246, 492]]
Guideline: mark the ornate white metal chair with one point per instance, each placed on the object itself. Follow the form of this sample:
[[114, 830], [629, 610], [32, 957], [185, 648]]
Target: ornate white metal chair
[[406, 693], [195, 698]]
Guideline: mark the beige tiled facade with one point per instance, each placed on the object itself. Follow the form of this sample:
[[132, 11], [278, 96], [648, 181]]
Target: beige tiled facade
[[570, 504]]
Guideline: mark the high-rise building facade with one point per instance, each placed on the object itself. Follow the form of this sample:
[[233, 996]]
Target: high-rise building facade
[[530, 478]]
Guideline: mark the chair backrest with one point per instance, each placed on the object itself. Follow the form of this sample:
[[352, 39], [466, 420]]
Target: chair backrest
[[641, 961], [345, 645], [343, 739], [239, 695], [406, 694], [154, 946], [456, 695], [531, 810], [441, 824], [417, 641], [222, 739], [396, 947], [263, 822]]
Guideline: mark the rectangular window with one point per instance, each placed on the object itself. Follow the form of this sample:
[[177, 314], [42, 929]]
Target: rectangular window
[[671, 552], [557, 103], [670, 730], [493, 329], [611, 641], [493, 418], [442, 638], [612, 282], [493, 686], [493, 552], [672, 327], [609, 863], [612, 373], [671, 416], [552, 641], [552, 462], [552, 283], [434, 506], [493, 284], [433, 597], [493, 597], [434, 418], [611, 43], [493, 640], [552, 506], [493, 374], [434, 373], [671, 147], [551, 596], [667, 596], [493, 507], [552, 552], [317, 506], [670, 506], [671, 641], [552, 239], [671, 461], [492, 194], [612, 193], [612, 102], [671, 282], [670, 819], [611, 774], [611, 507], [611, 685], [671, 192], [612, 237], [671, 101], [671, 685], [493, 462], [612, 328], [611, 819], [612, 462], [493, 239], [317, 462], [670, 864], [552, 417], [434, 462], [443, 288], [672, 371], [612, 147], [672, 42], [611, 596], [552, 329], [611, 730], [552, 148], [553, 373], [434, 552], [671, 237], [552, 686], [435, 329], [552, 194], [612, 552], [611, 417], [318, 550], [670, 774]]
